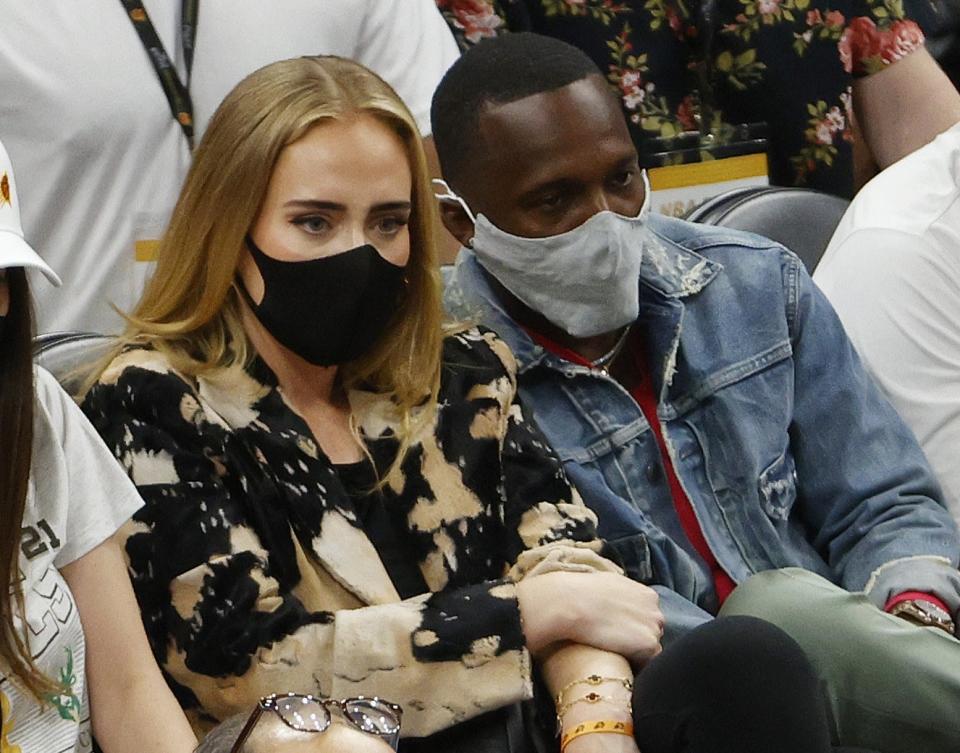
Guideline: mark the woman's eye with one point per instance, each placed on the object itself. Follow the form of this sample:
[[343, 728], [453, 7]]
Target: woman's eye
[[313, 225], [391, 225], [624, 179]]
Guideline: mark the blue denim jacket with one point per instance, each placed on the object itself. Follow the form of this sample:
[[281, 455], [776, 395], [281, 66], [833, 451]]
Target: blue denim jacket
[[786, 449]]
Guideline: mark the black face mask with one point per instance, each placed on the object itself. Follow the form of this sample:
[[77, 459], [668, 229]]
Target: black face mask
[[329, 310]]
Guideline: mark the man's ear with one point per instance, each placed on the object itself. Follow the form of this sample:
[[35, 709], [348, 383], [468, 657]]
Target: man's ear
[[457, 221]]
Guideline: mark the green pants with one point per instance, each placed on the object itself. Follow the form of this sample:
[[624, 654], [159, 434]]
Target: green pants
[[892, 687]]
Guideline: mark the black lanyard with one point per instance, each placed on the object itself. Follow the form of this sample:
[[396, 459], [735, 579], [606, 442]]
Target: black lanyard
[[178, 93]]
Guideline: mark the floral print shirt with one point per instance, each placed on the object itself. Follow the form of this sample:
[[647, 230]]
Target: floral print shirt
[[788, 63], [252, 568]]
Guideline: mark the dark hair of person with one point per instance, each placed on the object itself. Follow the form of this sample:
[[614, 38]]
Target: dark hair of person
[[497, 70], [16, 448]]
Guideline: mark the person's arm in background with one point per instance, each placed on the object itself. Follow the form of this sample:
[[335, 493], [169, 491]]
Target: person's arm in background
[[131, 707], [906, 100]]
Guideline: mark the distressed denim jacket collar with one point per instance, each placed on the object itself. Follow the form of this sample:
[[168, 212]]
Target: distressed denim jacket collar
[[668, 273]]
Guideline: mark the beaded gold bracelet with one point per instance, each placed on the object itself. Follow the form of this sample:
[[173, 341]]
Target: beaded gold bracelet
[[591, 697], [588, 698], [594, 681], [599, 726]]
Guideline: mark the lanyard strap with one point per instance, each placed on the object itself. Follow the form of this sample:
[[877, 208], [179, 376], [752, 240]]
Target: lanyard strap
[[178, 93]]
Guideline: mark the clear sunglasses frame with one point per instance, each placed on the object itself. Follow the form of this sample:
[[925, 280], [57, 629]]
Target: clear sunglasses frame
[[391, 715]]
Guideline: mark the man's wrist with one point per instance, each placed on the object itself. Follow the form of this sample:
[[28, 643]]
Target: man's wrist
[[922, 609], [913, 596]]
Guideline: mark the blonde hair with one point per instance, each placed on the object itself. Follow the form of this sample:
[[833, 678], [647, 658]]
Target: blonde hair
[[190, 310]]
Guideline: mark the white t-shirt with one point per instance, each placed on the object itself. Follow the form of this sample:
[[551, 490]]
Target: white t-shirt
[[406, 42], [98, 157], [78, 497], [892, 271]]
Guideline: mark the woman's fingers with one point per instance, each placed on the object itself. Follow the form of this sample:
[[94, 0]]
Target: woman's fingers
[[603, 610]]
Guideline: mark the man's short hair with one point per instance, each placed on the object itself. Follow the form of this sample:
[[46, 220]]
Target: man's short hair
[[497, 70], [222, 737]]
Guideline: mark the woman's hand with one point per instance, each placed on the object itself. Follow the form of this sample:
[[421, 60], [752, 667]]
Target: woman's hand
[[603, 610], [578, 625]]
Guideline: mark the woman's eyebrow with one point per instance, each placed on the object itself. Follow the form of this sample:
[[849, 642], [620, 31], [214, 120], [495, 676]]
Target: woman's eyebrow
[[389, 206], [336, 206], [313, 204]]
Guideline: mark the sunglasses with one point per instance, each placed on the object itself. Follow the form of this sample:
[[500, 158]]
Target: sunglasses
[[305, 713]]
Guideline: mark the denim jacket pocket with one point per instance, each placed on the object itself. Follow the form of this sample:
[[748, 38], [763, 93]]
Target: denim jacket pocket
[[778, 487], [632, 553]]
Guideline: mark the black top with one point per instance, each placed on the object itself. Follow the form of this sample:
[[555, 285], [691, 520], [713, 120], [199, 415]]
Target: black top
[[398, 557]]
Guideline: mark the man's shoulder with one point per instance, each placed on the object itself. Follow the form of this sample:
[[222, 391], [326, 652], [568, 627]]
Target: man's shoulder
[[903, 223], [911, 196], [739, 255], [713, 240]]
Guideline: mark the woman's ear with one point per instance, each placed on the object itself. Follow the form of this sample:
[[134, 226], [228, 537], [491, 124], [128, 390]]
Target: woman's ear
[[457, 221]]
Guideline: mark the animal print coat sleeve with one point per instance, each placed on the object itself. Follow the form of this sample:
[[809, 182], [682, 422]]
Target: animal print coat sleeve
[[254, 576]]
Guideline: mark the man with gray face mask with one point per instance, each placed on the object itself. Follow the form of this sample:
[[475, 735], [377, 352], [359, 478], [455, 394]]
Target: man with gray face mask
[[701, 393]]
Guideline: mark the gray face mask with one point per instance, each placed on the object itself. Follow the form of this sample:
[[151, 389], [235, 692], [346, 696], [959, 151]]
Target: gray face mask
[[585, 281]]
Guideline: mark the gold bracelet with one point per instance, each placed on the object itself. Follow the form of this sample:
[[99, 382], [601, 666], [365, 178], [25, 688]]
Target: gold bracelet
[[588, 698], [594, 681], [596, 727]]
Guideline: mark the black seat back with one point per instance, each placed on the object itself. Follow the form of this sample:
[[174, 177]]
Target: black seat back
[[801, 219], [67, 354]]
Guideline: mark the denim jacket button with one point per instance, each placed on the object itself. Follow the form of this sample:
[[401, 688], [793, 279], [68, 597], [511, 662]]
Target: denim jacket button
[[653, 472]]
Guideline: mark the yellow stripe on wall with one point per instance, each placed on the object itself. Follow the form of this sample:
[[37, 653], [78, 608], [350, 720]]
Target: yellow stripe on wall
[[711, 171], [146, 250]]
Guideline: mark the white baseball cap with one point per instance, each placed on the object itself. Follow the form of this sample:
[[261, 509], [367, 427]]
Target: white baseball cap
[[14, 250]]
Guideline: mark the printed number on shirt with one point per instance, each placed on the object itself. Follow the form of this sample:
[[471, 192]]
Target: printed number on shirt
[[32, 541]]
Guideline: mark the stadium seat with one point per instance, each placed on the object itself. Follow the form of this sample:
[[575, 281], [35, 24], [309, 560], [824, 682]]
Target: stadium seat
[[801, 219], [65, 354]]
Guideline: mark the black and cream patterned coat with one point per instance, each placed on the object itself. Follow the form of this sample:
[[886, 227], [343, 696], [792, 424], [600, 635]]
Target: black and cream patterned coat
[[252, 570]]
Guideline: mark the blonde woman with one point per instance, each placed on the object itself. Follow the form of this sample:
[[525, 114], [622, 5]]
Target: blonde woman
[[340, 500]]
